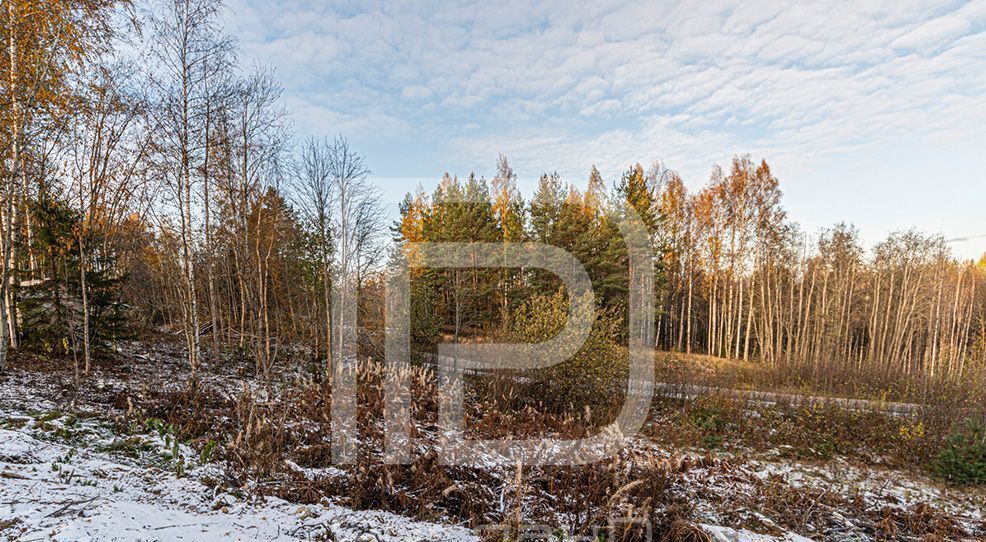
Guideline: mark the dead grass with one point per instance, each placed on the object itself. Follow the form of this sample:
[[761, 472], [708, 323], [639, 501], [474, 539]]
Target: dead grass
[[261, 428], [834, 380], [801, 432]]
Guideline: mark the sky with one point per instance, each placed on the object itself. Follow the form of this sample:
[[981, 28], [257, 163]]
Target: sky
[[872, 113]]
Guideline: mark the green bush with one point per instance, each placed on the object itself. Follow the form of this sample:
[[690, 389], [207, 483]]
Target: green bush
[[963, 460], [595, 377]]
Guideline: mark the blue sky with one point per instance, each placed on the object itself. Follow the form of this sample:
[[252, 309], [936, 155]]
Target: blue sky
[[869, 112]]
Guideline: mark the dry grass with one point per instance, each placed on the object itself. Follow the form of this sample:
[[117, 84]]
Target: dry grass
[[263, 431], [639, 486], [834, 380]]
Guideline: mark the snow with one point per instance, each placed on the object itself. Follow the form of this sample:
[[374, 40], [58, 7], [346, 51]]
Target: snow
[[55, 492], [52, 490], [72, 477], [725, 534], [878, 487], [313, 473]]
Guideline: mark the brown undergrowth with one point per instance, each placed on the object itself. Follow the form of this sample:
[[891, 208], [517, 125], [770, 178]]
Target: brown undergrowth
[[641, 486], [295, 429], [275, 438]]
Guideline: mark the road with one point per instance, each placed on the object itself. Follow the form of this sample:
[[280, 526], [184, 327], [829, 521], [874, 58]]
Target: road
[[690, 391]]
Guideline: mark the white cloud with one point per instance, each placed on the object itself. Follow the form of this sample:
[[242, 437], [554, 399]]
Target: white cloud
[[557, 85], [933, 34], [415, 92]]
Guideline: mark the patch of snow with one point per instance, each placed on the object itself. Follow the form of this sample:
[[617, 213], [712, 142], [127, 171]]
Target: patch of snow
[[725, 534], [879, 486], [313, 473], [55, 492]]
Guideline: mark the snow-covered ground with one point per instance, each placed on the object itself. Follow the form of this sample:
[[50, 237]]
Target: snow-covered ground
[[71, 478], [66, 474], [725, 534], [879, 487], [52, 491]]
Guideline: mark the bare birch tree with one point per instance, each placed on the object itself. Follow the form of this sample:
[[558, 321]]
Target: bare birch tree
[[106, 161], [185, 38], [356, 228], [314, 178]]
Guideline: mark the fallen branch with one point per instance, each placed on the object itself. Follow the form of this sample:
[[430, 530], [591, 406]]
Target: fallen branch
[[65, 509]]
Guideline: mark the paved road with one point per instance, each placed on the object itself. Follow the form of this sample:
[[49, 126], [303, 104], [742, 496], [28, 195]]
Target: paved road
[[690, 391]]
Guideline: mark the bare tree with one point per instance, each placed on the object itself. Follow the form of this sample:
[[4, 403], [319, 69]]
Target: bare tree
[[356, 228], [314, 178], [259, 132], [219, 91], [106, 160], [186, 37]]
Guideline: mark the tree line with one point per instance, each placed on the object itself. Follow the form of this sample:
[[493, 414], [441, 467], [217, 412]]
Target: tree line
[[150, 180], [739, 279], [745, 282]]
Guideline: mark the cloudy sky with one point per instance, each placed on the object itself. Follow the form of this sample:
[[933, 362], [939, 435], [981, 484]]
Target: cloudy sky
[[869, 112]]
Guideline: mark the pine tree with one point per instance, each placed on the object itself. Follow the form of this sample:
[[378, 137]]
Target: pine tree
[[52, 308], [410, 228], [545, 207]]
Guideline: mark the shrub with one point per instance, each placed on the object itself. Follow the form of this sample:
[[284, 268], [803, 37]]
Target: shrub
[[594, 378], [963, 460]]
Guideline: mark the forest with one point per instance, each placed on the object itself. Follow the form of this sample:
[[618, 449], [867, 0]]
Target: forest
[[153, 191], [176, 196]]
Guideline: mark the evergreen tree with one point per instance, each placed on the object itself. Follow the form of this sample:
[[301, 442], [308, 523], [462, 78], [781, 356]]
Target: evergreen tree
[[545, 207], [410, 228], [51, 308], [634, 190]]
